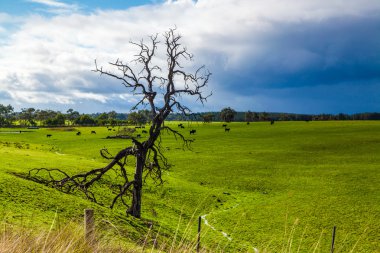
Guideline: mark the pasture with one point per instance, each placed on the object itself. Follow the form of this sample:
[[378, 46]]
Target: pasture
[[279, 187]]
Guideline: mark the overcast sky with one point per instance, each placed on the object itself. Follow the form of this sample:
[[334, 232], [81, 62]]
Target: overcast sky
[[301, 56]]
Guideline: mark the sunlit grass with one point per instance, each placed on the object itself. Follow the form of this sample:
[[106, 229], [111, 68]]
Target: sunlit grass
[[251, 182]]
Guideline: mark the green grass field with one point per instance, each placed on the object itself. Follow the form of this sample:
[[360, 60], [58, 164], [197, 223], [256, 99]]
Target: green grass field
[[276, 188]]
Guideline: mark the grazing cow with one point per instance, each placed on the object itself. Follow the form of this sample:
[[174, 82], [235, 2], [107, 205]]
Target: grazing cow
[[93, 132], [193, 131], [272, 122], [138, 136], [144, 131], [226, 129], [180, 125], [109, 129], [79, 133], [247, 123], [48, 135], [224, 125], [137, 127]]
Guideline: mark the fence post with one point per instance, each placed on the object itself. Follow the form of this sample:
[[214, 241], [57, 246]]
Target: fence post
[[89, 225], [333, 240], [199, 233]]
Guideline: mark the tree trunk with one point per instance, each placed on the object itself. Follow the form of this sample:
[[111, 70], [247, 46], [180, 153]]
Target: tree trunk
[[135, 208]]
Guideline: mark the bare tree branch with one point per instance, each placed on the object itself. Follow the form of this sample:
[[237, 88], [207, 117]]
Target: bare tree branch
[[159, 87]]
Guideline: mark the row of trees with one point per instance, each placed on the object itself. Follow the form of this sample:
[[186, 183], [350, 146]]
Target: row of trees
[[228, 114], [36, 117]]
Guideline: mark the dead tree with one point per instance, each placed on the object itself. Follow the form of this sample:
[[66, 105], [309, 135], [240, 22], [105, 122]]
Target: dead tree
[[158, 88]]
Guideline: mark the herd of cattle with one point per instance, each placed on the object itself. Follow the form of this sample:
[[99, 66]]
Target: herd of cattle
[[192, 131]]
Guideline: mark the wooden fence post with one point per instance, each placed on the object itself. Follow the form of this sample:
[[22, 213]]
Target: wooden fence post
[[333, 240], [89, 225], [199, 233]]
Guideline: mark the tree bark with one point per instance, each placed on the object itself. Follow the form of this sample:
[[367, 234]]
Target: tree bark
[[135, 208]]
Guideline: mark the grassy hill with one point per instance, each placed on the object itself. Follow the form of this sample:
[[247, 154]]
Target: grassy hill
[[260, 186]]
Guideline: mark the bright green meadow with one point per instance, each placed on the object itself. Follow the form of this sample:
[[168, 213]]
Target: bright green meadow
[[259, 187]]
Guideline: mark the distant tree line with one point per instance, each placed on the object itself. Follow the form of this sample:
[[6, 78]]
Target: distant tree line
[[228, 114], [31, 117], [50, 118]]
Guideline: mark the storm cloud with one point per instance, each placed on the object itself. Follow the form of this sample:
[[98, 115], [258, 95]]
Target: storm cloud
[[291, 56]]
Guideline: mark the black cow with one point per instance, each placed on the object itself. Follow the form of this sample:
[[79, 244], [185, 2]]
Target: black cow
[[180, 125], [93, 132], [226, 129], [144, 131], [272, 122], [48, 135], [79, 133], [193, 131], [138, 136], [224, 125]]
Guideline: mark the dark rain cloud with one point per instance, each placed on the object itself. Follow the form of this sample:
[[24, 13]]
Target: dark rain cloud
[[329, 52]]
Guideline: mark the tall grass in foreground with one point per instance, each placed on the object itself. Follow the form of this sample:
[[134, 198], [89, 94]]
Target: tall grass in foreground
[[70, 239]]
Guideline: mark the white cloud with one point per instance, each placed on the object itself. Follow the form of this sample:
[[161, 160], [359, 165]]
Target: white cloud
[[6, 23], [54, 56], [38, 97], [56, 7], [50, 3], [90, 96], [4, 17]]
